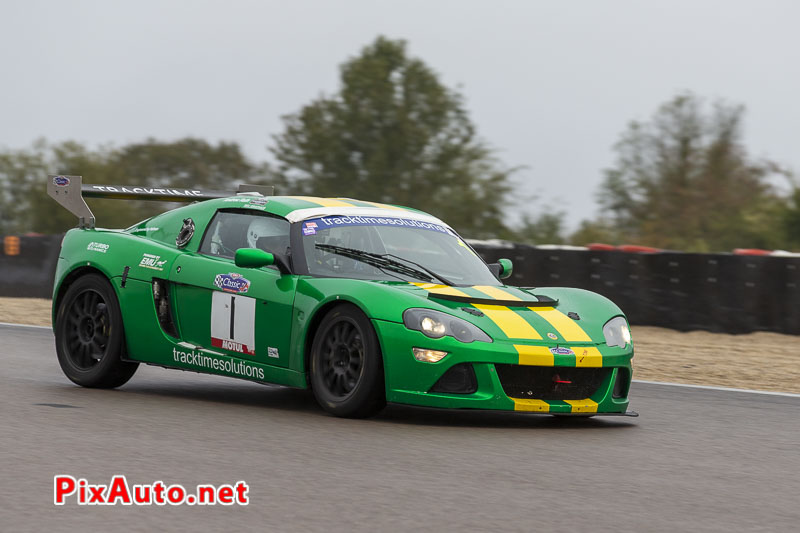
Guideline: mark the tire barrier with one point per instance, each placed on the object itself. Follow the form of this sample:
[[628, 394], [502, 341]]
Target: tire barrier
[[28, 265], [726, 293]]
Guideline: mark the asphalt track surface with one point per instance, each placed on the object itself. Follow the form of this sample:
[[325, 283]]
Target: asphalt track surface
[[695, 460]]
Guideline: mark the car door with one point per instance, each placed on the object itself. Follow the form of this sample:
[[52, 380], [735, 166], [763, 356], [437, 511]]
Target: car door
[[242, 312]]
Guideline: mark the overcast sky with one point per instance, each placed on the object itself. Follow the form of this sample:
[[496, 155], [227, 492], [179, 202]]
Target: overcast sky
[[550, 85]]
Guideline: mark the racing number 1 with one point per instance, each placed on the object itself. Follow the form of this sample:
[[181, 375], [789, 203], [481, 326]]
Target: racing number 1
[[233, 322]]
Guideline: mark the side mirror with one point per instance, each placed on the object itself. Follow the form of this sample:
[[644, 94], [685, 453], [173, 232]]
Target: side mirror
[[506, 268], [253, 258]]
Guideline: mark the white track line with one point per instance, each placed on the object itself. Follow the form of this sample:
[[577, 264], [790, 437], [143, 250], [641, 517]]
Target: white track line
[[706, 387], [711, 387], [24, 325]]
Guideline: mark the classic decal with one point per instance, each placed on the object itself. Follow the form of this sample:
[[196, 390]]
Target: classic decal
[[233, 320], [153, 262], [60, 181], [98, 247], [232, 282], [562, 351], [552, 335]]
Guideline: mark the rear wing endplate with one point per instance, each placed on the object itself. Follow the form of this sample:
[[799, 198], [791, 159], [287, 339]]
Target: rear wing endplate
[[70, 191]]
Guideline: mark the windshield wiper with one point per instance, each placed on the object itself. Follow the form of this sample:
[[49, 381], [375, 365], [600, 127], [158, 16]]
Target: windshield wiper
[[430, 272], [383, 261]]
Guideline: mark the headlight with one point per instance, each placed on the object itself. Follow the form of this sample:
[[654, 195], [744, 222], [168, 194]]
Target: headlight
[[436, 324], [617, 333]]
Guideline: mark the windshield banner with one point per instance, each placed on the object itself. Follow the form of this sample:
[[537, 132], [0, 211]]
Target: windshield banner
[[311, 227]]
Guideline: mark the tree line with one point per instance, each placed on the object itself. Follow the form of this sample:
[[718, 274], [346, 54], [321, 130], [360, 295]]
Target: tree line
[[394, 133]]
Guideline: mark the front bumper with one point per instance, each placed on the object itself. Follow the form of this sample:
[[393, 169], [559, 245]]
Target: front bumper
[[500, 370]]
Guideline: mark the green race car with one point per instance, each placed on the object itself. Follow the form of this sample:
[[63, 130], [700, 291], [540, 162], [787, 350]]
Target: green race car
[[363, 303]]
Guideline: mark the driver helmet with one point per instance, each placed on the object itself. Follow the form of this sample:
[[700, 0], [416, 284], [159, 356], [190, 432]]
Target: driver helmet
[[260, 227]]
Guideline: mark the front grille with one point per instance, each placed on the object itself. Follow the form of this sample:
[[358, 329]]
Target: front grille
[[550, 382]]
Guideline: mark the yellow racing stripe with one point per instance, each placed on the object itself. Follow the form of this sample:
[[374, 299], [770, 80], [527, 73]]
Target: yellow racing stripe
[[535, 355], [511, 323], [325, 202], [384, 206], [587, 356], [495, 292], [566, 327], [538, 406], [508, 320], [570, 331], [441, 289], [583, 406]]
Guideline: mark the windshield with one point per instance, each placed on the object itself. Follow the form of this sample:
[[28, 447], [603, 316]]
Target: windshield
[[392, 249]]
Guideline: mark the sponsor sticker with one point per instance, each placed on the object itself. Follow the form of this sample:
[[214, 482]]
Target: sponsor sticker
[[60, 181], [552, 335], [148, 190], [232, 282], [153, 262], [273, 352], [97, 247], [256, 203], [358, 220], [220, 363], [561, 351], [233, 319]]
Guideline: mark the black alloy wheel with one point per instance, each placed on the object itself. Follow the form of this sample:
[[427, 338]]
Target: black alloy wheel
[[90, 341], [342, 359], [88, 330], [346, 364]]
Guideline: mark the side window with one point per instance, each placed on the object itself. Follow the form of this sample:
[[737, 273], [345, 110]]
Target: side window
[[230, 230]]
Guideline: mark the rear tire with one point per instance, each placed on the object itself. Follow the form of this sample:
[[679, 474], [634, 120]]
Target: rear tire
[[90, 339], [346, 364]]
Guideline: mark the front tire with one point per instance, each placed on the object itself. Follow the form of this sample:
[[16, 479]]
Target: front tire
[[90, 340], [346, 364]]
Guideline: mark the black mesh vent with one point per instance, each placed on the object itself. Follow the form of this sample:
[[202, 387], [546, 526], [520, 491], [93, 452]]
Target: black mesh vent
[[161, 299], [550, 382], [460, 379], [621, 384]]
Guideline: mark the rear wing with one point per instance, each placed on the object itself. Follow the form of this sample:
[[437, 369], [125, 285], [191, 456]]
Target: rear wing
[[70, 191]]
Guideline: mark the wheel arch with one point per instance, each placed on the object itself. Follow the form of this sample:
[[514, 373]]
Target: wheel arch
[[314, 323], [70, 278]]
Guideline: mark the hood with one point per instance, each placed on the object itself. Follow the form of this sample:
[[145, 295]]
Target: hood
[[519, 315], [543, 316]]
